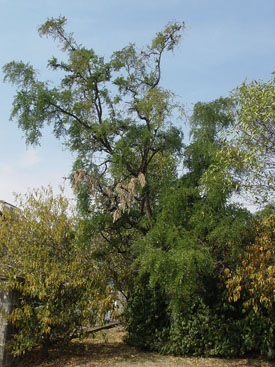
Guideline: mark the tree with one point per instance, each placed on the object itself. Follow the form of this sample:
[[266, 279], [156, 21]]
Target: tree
[[60, 288], [247, 160], [116, 109], [208, 123], [163, 241], [117, 118], [180, 289]]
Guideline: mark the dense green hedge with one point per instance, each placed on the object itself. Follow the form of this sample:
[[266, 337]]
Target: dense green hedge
[[204, 330]]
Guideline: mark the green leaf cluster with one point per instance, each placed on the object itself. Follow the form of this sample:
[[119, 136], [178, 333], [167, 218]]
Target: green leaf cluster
[[246, 161]]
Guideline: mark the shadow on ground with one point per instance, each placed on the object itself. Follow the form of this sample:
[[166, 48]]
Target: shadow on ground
[[107, 349]]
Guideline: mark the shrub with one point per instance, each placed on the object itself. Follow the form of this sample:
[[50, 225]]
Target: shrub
[[58, 285]]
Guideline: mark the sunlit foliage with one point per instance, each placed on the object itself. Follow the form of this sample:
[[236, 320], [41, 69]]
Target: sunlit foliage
[[59, 287]]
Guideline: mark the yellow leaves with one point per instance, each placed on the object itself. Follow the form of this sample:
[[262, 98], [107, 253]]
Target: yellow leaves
[[16, 315], [255, 308], [48, 330], [61, 286], [236, 297], [227, 272], [255, 276], [27, 310]]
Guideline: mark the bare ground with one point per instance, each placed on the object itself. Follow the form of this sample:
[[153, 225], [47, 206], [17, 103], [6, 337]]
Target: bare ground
[[107, 349]]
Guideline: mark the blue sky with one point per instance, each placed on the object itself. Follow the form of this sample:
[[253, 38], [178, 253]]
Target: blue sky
[[224, 43]]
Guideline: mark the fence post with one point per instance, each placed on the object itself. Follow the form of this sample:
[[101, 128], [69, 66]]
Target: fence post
[[7, 301]]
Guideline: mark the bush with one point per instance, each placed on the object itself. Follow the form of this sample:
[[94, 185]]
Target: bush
[[58, 285], [204, 330], [146, 315]]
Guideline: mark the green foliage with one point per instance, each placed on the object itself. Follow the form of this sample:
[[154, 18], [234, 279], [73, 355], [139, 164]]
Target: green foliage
[[213, 329], [208, 124], [116, 117], [164, 242], [182, 258], [211, 119], [247, 158], [172, 252], [146, 314], [218, 330], [114, 108], [59, 288], [195, 237]]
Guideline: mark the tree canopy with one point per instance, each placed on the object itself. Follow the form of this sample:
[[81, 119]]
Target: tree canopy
[[174, 246], [115, 109], [247, 157]]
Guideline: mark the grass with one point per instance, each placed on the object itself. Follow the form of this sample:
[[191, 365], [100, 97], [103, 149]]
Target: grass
[[107, 349]]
